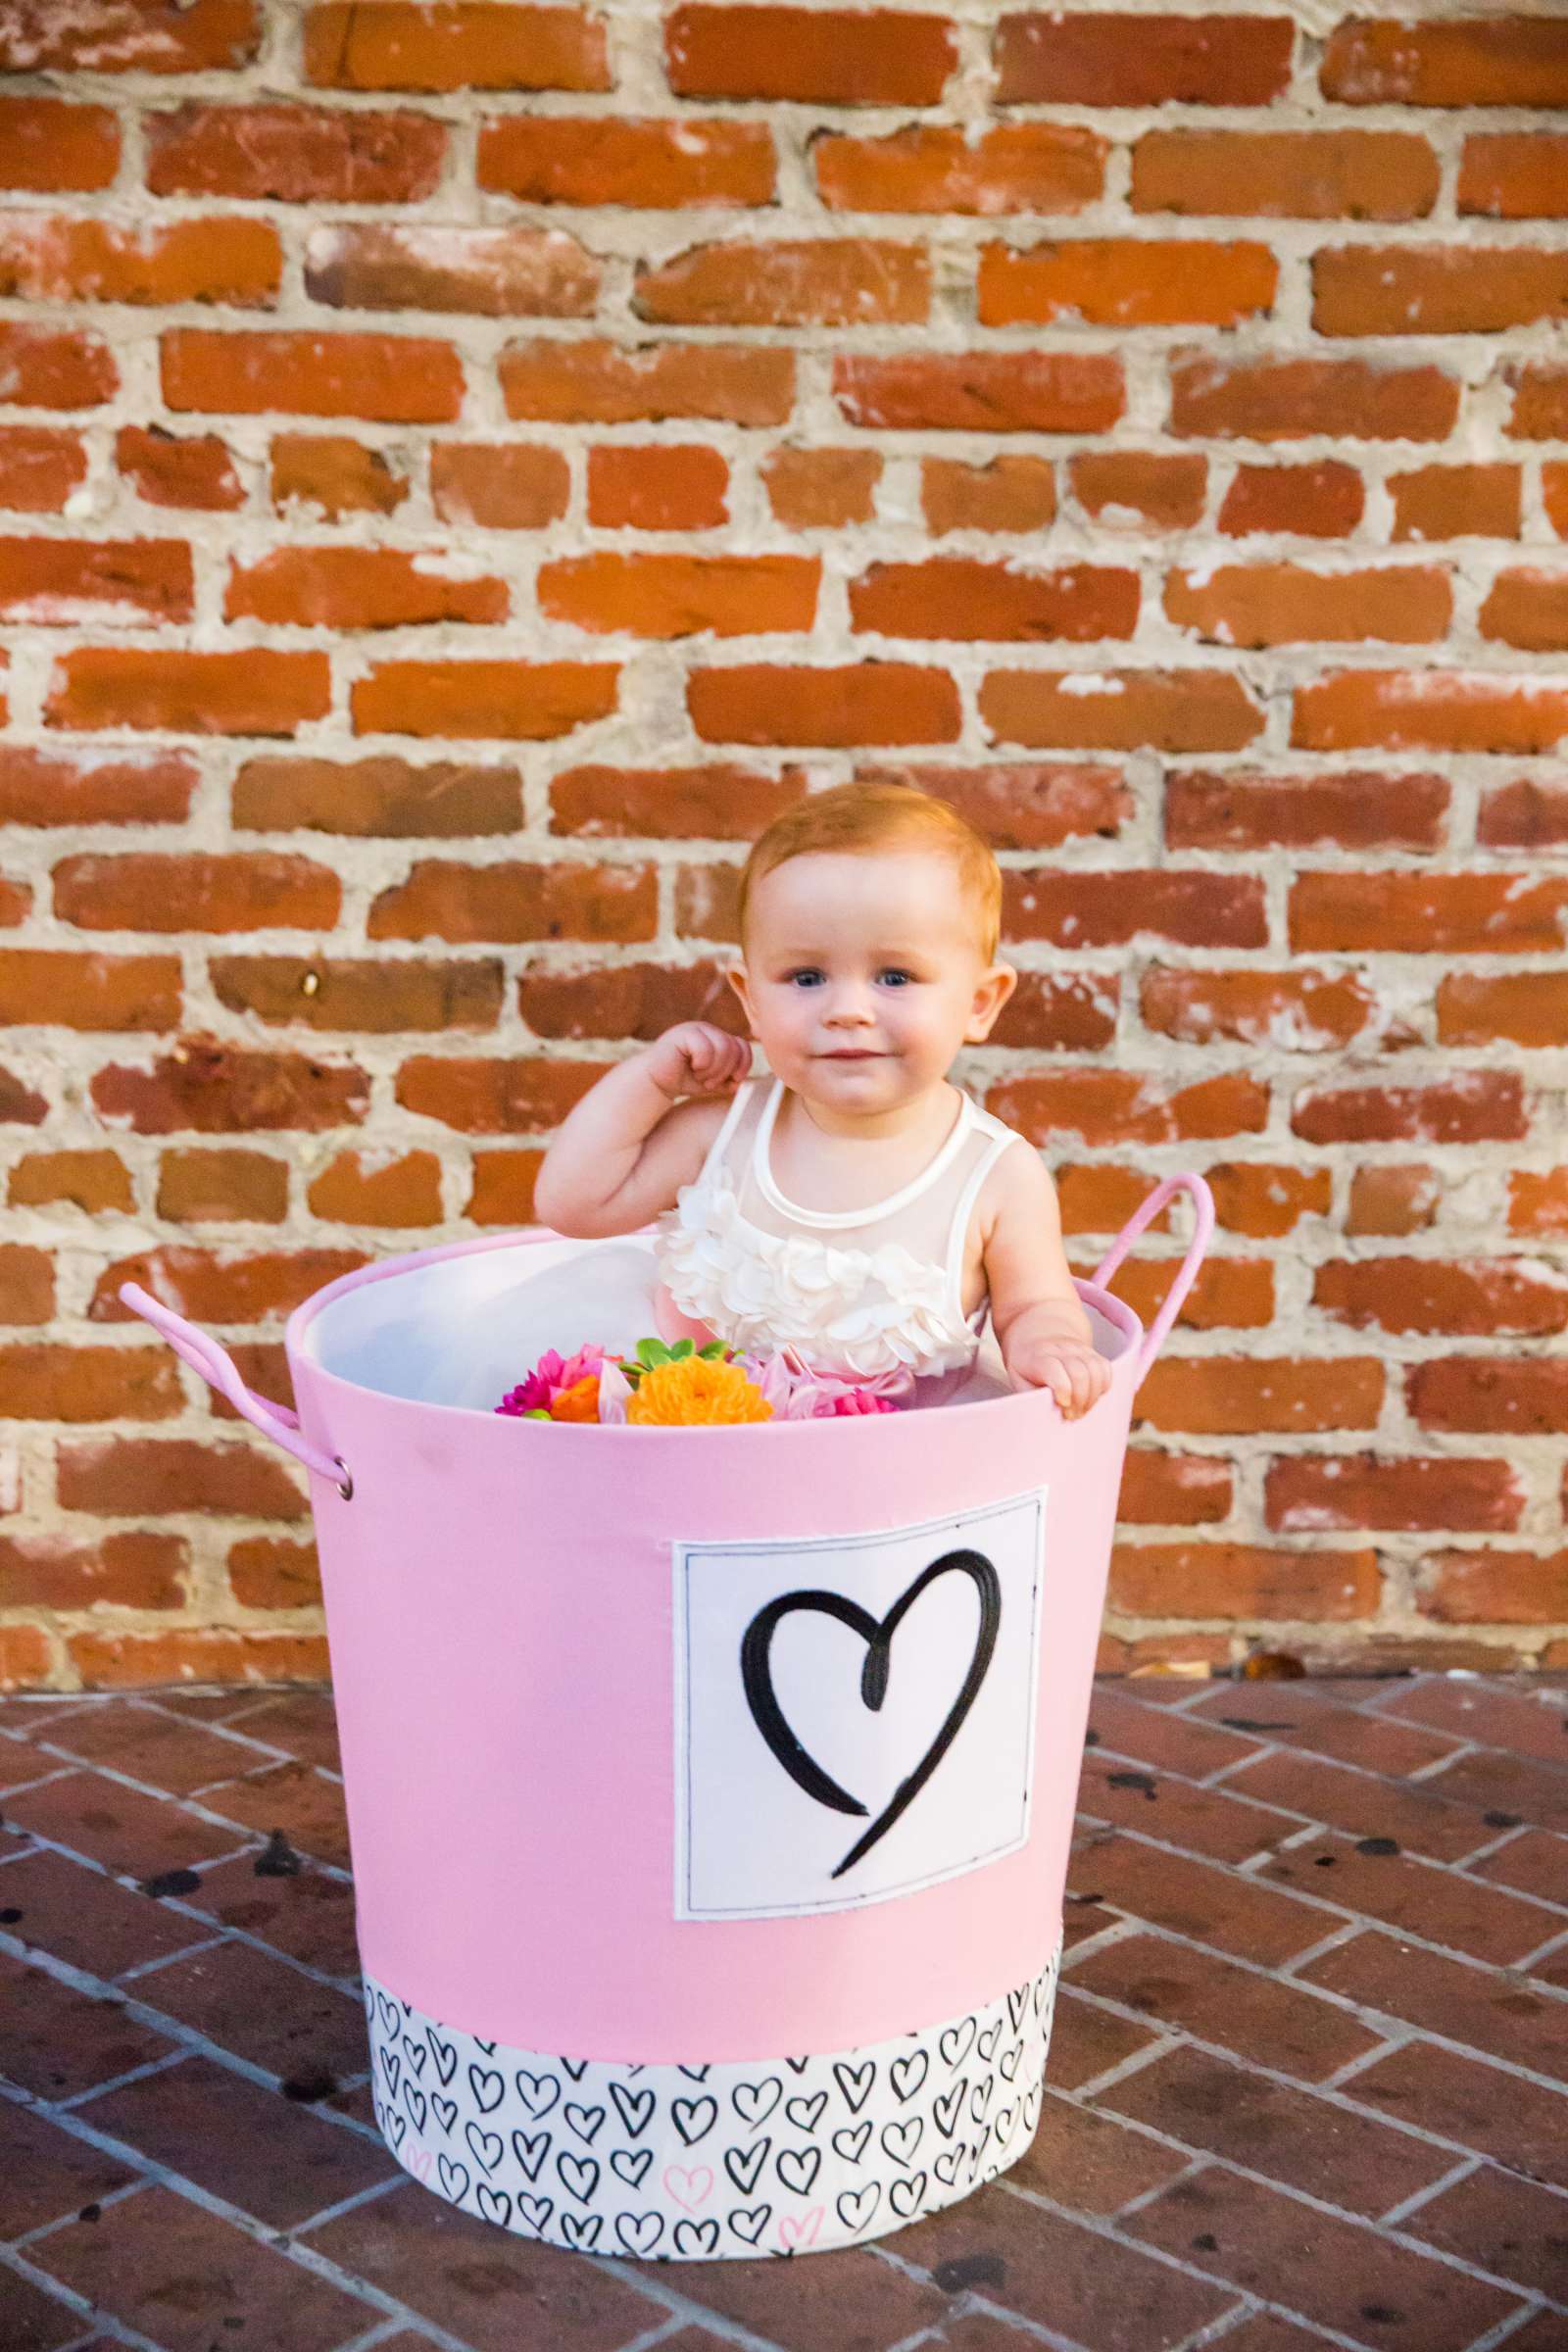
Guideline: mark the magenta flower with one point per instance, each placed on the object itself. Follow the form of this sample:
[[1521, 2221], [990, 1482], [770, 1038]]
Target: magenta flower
[[553, 1374]]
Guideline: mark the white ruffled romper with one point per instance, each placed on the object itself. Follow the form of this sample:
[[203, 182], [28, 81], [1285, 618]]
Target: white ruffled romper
[[875, 1293]]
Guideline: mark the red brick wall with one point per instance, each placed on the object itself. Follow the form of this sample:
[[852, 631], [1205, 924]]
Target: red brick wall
[[467, 465]]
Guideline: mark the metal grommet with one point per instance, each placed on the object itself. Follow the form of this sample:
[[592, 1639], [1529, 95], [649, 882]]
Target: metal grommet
[[345, 1485]]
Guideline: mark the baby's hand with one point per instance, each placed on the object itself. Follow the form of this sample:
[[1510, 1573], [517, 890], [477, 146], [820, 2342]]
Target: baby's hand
[[697, 1058], [1076, 1374]]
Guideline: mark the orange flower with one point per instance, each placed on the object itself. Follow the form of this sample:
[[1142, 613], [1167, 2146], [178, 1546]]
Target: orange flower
[[695, 1389], [579, 1402]]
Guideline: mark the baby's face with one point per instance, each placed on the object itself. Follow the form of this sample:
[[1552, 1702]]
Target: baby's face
[[864, 975]]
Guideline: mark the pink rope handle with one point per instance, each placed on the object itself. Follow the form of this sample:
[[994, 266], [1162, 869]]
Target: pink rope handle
[[1143, 1215], [220, 1371]]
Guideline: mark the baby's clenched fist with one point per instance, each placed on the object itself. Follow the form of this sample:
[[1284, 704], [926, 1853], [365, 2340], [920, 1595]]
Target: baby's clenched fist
[[697, 1058]]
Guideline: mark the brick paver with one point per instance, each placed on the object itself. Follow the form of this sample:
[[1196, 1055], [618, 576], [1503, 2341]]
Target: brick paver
[[1308, 2088]]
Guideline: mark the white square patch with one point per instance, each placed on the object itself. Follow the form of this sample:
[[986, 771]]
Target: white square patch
[[853, 1715]]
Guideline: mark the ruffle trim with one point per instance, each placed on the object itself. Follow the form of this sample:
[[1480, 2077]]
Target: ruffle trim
[[855, 1311]]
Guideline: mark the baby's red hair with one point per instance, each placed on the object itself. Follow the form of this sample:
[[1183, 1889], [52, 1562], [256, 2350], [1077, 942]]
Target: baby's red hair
[[857, 819]]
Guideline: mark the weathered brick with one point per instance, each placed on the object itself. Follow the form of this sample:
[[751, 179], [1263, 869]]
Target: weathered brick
[[1285, 174], [1297, 1013], [362, 1188], [1243, 1580], [26, 1283], [255, 692], [40, 468], [828, 57], [376, 797], [1140, 490], [196, 891], [1023, 805], [596, 382], [1432, 290], [926, 168], [359, 588], [454, 45], [59, 989], [819, 282], [212, 1289], [1304, 1493], [501, 486], [1495, 1588], [146, 36], [1456, 502], [523, 1096], [1237, 1395], [1537, 1203], [1086, 909], [1236, 810], [1113, 1107], [61, 258], [133, 1569], [94, 788], [1507, 1395], [1525, 814], [352, 994], [1289, 398], [1515, 175], [48, 146], [1521, 1008], [505, 700], [821, 489], [173, 470], [1090, 58], [490, 272], [54, 368], [1432, 1295], [865, 703], [1174, 710], [1476, 61], [1392, 1200], [957, 597], [982, 392], [222, 1186], [1265, 1199], [336, 475], [1539, 401], [207, 1088], [293, 154], [1428, 913], [101, 582], [1472, 1106], [659, 486], [1285, 604], [626, 1000], [515, 902], [502, 1188], [401, 379], [96, 1182], [149, 1478], [1528, 609], [718, 802], [56, 1380], [680, 596], [650, 164], [1432, 709], [1125, 281]]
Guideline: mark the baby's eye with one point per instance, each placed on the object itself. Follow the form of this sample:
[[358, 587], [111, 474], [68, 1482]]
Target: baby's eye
[[896, 976], [807, 978]]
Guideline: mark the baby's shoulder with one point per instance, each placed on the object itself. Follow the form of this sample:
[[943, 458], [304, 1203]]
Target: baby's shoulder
[[1017, 1182]]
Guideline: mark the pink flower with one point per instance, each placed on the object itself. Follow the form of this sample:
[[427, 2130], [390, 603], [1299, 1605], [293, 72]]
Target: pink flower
[[550, 1377], [798, 1393]]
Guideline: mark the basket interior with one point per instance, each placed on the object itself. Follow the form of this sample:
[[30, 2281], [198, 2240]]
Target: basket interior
[[463, 1327]]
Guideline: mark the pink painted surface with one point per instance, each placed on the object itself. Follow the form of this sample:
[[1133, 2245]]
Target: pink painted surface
[[499, 1599]]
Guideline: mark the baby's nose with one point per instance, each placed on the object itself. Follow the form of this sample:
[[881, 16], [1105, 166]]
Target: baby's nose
[[851, 1006]]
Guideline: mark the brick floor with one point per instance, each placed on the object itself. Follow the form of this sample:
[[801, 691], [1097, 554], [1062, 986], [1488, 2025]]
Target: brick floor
[[1308, 2088]]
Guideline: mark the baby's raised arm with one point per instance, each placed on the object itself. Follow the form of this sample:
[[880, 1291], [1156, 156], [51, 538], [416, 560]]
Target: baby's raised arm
[[624, 1152], [1037, 1315]]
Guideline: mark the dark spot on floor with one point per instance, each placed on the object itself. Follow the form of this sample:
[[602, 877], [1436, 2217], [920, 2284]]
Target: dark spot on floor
[[277, 1859], [1206, 2243], [306, 2088], [1091, 1738], [89, 2213], [9, 1918], [970, 2270], [1377, 1846], [1387, 2315], [1324, 1861], [1503, 1821], [1250, 1723], [171, 1881], [1135, 1780]]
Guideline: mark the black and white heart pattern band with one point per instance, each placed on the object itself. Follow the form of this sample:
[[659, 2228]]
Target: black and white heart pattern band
[[709, 2160]]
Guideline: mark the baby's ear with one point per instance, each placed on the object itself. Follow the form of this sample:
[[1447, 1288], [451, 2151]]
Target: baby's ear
[[735, 974], [991, 991]]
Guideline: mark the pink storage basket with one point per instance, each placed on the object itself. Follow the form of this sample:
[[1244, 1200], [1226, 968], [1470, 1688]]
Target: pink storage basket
[[709, 1791]]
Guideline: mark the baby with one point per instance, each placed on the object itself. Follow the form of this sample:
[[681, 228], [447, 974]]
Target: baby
[[858, 1207]]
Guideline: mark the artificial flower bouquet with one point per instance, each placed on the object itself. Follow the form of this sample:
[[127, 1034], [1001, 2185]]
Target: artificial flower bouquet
[[685, 1385]]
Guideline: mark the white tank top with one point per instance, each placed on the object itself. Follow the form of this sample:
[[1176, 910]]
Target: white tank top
[[863, 1291]]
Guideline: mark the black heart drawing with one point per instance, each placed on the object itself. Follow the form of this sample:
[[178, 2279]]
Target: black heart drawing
[[877, 1633]]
